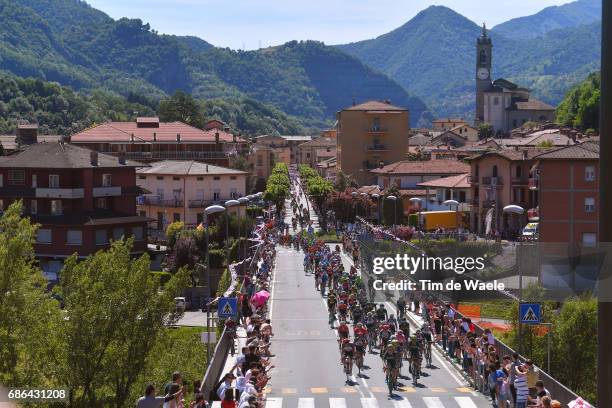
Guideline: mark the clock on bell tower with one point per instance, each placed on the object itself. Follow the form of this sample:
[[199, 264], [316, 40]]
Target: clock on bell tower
[[483, 72]]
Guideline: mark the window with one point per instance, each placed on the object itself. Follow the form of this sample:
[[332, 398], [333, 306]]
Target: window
[[56, 207], [589, 173], [514, 123], [53, 180], [160, 193], [477, 170], [43, 236], [589, 239], [176, 217], [494, 171], [260, 160], [233, 193], [495, 100], [216, 195], [138, 234], [1, 205], [519, 171], [102, 203], [33, 207], [517, 195], [142, 213], [176, 178], [232, 177], [142, 177], [16, 177], [462, 197], [1, 180], [106, 180], [308, 155], [376, 124], [200, 178], [101, 237], [589, 204], [159, 177], [118, 233], [34, 181], [216, 178], [74, 237]]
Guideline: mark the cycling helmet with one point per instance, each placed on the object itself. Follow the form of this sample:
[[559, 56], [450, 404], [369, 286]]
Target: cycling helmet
[[344, 341]]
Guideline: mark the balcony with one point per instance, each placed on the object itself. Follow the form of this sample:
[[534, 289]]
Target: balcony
[[172, 155], [534, 182], [68, 193], [160, 202], [377, 129], [492, 181], [377, 147], [110, 191], [206, 203]]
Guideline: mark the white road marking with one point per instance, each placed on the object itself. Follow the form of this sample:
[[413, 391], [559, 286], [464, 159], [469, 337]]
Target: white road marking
[[433, 402], [274, 402], [306, 403], [336, 403], [369, 403], [401, 404], [465, 402]]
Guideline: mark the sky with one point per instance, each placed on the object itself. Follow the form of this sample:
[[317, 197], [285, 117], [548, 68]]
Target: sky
[[251, 24]]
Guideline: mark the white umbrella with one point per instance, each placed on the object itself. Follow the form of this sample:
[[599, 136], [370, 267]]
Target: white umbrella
[[450, 202], [415, 199], [514, 209]]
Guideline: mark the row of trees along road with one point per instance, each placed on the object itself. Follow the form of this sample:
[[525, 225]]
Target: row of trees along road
[[278, 186], [319, 189], [100, 334]]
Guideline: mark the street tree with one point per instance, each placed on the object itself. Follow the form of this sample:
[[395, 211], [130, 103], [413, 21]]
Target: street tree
[[115, 311], [319, 189]]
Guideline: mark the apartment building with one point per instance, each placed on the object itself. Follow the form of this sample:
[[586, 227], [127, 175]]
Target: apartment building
[[500, 178], [285, 148], [317, 150], [261, 160], [371, 135], [181, 190], [81, 199], [148, 139], [566, 181]]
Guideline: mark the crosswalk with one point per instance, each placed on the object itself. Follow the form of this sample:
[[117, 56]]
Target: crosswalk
[[416, 402]]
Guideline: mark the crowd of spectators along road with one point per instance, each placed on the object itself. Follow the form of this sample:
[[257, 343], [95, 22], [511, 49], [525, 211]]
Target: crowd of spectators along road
[[243, 385]]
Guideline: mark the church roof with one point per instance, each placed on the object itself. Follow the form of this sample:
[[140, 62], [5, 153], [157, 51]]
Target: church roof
[[531, 104]]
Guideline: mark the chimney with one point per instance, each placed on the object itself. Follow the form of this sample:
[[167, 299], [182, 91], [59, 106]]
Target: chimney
[[154, 136], [93, 158], [216, 137], [121, 158], [178, 138]]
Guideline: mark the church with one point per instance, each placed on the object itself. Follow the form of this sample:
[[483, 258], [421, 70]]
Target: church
[[501, 103]]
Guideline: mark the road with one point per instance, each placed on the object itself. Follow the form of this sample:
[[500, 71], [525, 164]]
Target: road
[[307, 371]]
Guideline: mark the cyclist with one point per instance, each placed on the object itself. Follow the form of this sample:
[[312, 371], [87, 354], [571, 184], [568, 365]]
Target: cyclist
[[414, 350], [404, 326], [390, 366], [360, 330], [360, 345], [343, 331], [348, 353], [427, 340], [381, 313], [384, 335], [342, 311], [392, 323], [401, 307]]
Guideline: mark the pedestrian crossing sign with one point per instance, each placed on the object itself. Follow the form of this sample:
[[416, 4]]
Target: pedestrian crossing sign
[[227, 307], [530, 313]]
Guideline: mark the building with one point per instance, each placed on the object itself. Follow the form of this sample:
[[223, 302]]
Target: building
[[566, 181], [327, 168], [500, 178], [148, 139], [261, 160], [501, 103], [81, 199], [371, 134], [181, 190], [450, 188], [317, 150], [26, 135], [442, 124], [285, 148]]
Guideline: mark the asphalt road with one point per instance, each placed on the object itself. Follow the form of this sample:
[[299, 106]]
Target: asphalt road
[[308, 373]]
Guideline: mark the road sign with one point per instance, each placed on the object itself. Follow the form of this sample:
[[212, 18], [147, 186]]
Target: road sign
[[227, 307], [530, 313]]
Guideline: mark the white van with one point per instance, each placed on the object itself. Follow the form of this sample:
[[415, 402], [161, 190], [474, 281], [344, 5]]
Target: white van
[[531, 231]]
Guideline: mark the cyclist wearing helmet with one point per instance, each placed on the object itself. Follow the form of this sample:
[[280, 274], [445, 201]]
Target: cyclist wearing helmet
[[381, 313]]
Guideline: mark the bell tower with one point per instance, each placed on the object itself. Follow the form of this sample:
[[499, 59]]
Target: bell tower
[[484, 55]]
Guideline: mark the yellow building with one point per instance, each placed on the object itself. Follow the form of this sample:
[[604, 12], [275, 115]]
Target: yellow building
[[316, 151], [371, 134], [442, 124]]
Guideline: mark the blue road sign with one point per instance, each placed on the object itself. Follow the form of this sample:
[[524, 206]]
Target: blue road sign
[[530, 313], [227, 307]]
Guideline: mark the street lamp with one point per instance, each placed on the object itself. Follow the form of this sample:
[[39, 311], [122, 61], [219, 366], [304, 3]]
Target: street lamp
[[377, 197], [242, 200], [228, 205], [207, 211], [394, 199]]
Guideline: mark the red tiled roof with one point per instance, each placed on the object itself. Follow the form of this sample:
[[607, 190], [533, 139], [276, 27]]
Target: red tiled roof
[[425, 167], [459, 181], [166, 132], [375, 106], [532, 104], [416, 193]]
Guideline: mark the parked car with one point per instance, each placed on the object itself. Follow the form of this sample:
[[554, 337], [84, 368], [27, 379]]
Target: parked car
[[181, 303]]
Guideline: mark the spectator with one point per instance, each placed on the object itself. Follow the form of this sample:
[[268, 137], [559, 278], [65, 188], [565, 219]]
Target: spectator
[[177, 378], [546, 402], [227, 383], [176, 397], [520, 385], [533, 375], [512, 375], [150, 400], [199, 402], [541, 392], [555, 404]]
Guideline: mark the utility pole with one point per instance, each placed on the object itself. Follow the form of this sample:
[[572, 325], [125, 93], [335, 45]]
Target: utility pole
[[604, 306]]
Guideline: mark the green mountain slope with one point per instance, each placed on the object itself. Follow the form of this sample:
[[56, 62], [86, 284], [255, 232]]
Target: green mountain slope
[[433, 57], [551, 18], [69, 42]]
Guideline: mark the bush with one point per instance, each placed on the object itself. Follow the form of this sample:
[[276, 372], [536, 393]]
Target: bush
[[217, 258], [413, 220], [224, 282], [255, 212]]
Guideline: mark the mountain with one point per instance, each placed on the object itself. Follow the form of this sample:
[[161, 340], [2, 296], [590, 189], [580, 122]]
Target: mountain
[[551, 18], [76, 45], [432, 56]]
